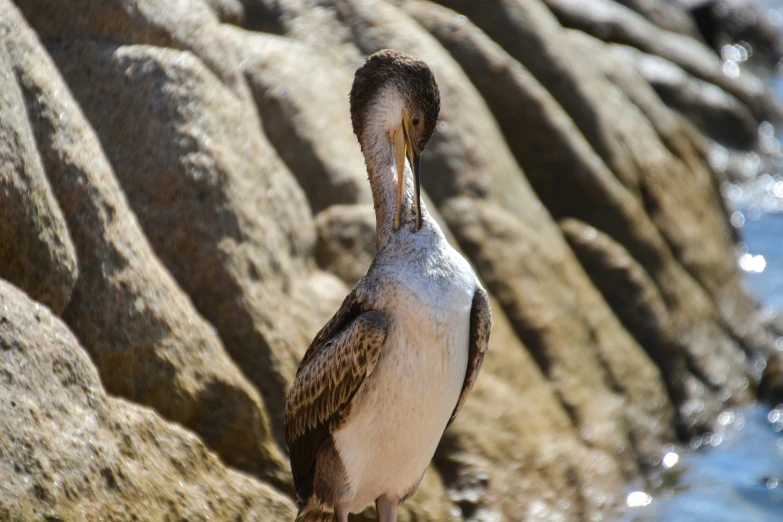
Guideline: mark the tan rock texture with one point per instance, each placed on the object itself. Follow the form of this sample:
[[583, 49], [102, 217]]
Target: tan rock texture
[[148, 342], [216, 203], [36, 252], [70, 452], [771, 385], [183, 204]]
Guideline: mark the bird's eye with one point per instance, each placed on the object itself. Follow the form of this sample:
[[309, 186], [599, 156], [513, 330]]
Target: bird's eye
[[415, 121]]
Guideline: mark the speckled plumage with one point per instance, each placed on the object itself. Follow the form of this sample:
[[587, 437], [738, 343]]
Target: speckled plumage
[[391, 370]]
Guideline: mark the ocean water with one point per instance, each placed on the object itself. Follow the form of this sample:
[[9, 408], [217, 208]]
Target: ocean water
[[735, 474]]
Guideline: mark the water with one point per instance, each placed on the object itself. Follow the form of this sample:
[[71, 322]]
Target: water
[[764, 237]]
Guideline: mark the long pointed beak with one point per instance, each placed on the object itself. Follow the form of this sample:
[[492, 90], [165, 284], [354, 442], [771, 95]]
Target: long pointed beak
[[417, 188], [403, 148], [400, 146], [415, 162]]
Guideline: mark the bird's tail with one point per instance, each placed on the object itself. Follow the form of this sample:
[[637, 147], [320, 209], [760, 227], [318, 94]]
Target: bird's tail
[[313, 512]]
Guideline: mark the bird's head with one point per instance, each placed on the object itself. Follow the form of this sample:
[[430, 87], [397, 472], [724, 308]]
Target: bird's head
[[395, 97]]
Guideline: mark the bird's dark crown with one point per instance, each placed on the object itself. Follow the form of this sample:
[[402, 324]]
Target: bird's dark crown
[[413, 79]]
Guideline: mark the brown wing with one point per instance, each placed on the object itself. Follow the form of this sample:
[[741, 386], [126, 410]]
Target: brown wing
[[333, 369], [480, 328]]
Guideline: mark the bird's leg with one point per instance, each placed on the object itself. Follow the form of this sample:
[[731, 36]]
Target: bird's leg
[[386, 506], [341, 514]]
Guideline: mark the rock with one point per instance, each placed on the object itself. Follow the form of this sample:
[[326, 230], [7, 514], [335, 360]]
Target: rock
[[186, 26], [728, 22], [666, 15], [771, 385], [612, 22], [318, 24], [308, 122], [228, 11], [636, 301], [186, 168], [715, 112], [70, 452], [217, 204], [146, 339], [684, 197], [609, 200], [346, 240], [36, 252]]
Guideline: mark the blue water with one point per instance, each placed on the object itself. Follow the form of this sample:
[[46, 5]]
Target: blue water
[[764, 237]]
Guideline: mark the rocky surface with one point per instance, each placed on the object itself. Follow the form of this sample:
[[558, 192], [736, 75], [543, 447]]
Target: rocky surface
[[148, 342], [183, 204], [37, 251], [771, 386], [70, 452]]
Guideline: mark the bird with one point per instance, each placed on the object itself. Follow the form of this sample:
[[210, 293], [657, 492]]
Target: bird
[[385, 377]]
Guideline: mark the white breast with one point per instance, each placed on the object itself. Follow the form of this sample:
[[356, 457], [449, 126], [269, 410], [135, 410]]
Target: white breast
[[404, 407]]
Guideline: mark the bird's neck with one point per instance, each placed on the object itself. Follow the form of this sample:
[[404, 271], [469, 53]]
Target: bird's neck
[[382, 172]]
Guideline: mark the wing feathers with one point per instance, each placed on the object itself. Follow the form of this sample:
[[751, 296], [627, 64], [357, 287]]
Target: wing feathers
[[478, 342], [332, 374], [332, 371]]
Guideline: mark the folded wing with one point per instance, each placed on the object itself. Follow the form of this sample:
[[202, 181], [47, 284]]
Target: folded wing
[[478, 341], [340, 358]]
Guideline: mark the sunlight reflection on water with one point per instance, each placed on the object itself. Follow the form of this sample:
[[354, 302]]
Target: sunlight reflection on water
[[739, 481]]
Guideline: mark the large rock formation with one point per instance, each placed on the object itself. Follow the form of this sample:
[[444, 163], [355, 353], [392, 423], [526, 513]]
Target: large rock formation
[[70, 452], [183, 204]]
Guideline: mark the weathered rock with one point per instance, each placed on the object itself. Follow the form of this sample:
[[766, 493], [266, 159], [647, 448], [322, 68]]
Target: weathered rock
[[320, 25], [612, 22], [187, 26], [219, 138], [36, 252], [69, 452], [636, 301], [308, 122], [142, 332], [228, 11], [666, 15], [715, 112], [533, 122], [771, 385], [346, 240], [217, 204], [683, 198], [727, 22], [568, 329]]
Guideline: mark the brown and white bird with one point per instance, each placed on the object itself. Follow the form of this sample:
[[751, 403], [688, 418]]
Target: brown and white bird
[[391, 370]]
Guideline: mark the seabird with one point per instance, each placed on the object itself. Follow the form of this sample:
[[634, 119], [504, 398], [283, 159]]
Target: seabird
[[391, 370]]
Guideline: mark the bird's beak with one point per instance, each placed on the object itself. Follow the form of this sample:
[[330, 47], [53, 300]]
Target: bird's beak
[[414, 158], [403, 148]]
